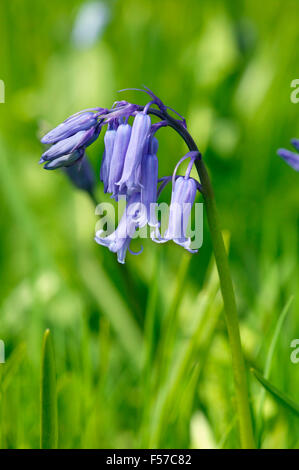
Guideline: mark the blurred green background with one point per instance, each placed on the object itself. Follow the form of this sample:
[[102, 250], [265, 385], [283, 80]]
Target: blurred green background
[[141, 350]]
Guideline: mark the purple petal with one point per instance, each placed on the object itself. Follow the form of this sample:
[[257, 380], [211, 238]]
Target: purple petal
[[291, 158], [119, 241], [121, 144], [122, 252], [130, 179], [90, 136], [295, 143], [63, 161], [70, 127], [120, 112], [149, 182], [109, 140], [70, 144], [182, 200], [64, 147]]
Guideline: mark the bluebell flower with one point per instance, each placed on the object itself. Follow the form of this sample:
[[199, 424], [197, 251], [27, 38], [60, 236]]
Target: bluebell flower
[[72, 148], [129, 168], [121, 144], [291, 158], [76, 123], [149, 182], [182, 200], [109, 140], [130, 179], [71, 144], [183, 194], [132, 219], [64, 161]]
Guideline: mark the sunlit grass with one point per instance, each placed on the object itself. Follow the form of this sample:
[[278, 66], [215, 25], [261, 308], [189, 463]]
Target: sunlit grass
[[141, 352]]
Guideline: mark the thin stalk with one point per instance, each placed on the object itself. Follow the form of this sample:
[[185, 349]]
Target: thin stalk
[[49, 425], [230, 307]]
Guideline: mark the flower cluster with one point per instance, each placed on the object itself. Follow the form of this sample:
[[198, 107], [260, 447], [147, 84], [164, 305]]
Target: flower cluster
[[291, 158], [129, 168]]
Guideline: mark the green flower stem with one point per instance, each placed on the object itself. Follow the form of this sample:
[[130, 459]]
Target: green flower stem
[[230, 307]]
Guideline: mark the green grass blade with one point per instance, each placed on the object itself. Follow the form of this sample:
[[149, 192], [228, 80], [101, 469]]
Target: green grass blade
[[269, 359], [19, 209], [13, 365], [276, 336], [207, 309], [150, 312], [279, 396], [114, 308], [170, 323], [49, 433]]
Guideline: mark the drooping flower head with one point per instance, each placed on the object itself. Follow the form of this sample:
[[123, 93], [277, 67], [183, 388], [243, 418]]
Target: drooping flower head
[[129, 167]]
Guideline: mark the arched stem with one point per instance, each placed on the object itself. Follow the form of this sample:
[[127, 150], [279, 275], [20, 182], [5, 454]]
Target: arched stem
[[230, 308]]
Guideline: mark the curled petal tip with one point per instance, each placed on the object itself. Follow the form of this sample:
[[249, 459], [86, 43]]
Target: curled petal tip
[[136, 253], [44, 140]]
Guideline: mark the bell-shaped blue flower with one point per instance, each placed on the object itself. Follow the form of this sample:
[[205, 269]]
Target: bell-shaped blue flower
[[121, 144], [130, 179], [182, 200], [69, 145], [72, 125], [119, 241], [109, 140], [129, 168], [64, 160], [149, 182]]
